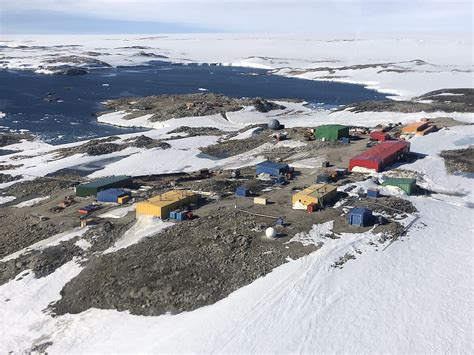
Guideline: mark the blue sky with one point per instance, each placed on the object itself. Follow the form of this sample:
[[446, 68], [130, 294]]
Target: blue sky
[[171, 16]]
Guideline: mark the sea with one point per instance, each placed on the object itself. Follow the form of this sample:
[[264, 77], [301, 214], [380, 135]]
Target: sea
[[62, 108]]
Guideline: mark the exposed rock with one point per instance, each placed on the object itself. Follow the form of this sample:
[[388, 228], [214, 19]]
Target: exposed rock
[[459, 160], [165, 107]]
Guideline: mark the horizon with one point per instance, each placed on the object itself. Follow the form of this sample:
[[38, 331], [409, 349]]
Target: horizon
[[247, 16]]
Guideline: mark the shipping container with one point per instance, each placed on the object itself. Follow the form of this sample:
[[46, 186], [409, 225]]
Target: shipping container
[[360, 217], [379, 136], [345, 140], [242, 191], [93, 187], [181, 215], [381, 156], [332, 132], [312, 207], [123, 199], [341, 172], [260, 200], [271, 168], [173, 214], [406, 184], [372, 193]]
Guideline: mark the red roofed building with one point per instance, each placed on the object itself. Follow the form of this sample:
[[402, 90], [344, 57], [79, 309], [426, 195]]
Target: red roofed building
[[381, 156]]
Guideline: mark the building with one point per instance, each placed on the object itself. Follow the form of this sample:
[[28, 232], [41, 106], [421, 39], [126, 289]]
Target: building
[[380, 156], [331, 132], [242, 191], [372, 193], [260, 200], [113, 195], [162, 205], [420, 128], [93, 187], [379, 136], [360, 217], [323, 178], [271, 168], [406, 184], [319, 194]]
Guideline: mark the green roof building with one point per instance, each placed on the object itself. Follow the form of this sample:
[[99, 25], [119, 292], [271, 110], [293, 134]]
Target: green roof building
[[93, 187], [331, 132], [406, 184]]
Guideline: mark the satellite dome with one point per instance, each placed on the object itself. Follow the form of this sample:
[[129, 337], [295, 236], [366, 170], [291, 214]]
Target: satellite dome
[[274, 124], [271, 232]]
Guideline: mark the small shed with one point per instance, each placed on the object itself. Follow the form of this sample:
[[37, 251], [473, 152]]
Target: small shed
[[379, 136], [406, 184], [242, 191], [360, 217], [341, 172], [112, 195], [372, 193], [331, 132], [323, 178], [260, 200], [271, 168]]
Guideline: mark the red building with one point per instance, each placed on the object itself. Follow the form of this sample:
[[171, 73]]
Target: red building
[[381, 156], [379, 136]]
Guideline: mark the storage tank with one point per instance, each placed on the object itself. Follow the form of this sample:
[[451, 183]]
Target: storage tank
[[270, 232]]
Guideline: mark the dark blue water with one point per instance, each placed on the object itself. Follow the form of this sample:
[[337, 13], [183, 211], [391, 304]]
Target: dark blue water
[[23, 93]]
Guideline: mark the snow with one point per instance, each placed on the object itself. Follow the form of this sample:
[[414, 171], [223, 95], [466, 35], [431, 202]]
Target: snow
[[48, 242], [145, 226], [118, 212], [6, 199], [32, 202], [83, 244], [22, 305], [407, 66]]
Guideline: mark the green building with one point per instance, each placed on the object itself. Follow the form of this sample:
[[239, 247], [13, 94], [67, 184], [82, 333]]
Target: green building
[[331, 132], [406, 184], [93, 187]]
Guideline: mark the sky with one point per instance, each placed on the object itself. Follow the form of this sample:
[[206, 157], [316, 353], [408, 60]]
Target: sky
[[244, 16]]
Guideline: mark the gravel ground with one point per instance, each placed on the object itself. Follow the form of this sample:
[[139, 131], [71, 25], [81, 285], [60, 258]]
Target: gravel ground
[[189, 265], [20, 230]]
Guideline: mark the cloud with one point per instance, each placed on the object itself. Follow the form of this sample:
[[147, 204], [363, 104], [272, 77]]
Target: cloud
[[266, 15]]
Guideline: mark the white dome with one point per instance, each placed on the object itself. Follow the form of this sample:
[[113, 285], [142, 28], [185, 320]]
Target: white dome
[[271, 232], [273, 124]]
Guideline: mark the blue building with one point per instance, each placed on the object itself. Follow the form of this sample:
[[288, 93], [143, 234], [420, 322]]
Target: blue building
[[360, 217], [112, 195], [372, 193], [242, 191], [271, 168]]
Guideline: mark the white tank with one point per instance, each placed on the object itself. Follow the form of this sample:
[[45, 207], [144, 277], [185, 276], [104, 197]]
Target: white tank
[[271, 232]]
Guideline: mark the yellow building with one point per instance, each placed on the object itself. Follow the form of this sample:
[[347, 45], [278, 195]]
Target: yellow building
[[320, 194], [162, 205]]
